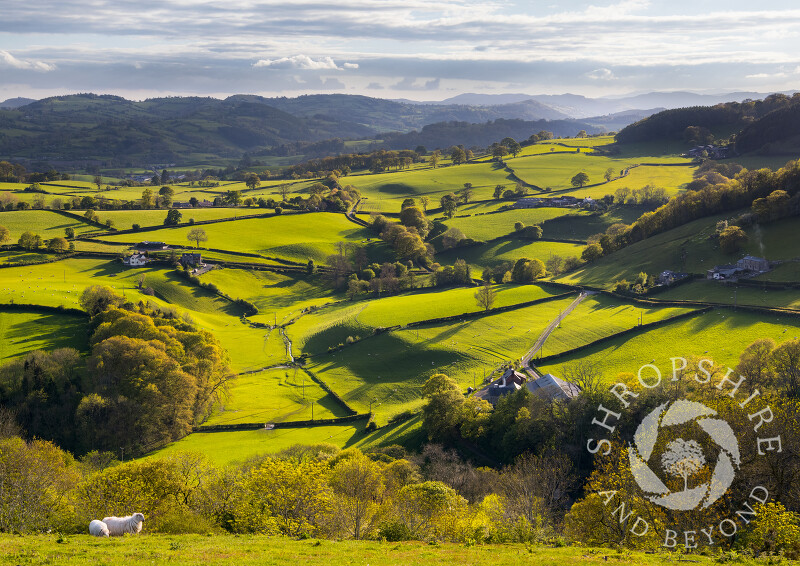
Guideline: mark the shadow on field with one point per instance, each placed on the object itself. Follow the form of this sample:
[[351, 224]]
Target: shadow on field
[[55, 331]]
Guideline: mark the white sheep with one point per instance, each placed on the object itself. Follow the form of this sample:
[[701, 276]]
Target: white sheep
[[98, 528], [118, 526]]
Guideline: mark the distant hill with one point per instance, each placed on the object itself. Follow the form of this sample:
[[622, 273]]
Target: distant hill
[[445, 134], [110, 128], [389, 115], [16, 102], [721, 119], [772, 131]]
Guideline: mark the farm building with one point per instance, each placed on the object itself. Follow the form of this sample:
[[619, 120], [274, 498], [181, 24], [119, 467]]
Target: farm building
[[135, 260], [752, 263], [193, 259], [747, 264], [510, 382], [551, 388], [669, 277], [528, 202]]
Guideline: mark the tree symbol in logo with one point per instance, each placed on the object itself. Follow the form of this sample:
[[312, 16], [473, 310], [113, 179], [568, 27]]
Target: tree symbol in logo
[[684, 457]]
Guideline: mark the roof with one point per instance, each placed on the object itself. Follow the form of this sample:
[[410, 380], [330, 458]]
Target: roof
[[754, 258], [552, 388]]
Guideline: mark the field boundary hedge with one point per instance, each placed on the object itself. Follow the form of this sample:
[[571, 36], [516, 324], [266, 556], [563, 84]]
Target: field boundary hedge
[[610, 337], [287, 424]]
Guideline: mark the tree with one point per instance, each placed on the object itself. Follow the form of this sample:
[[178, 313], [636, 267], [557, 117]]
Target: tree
[[580, 179], [98, 180], [441, 414], [486, 295], [193, 201], [499, 151], [173, 217], [97, 298], [166, 193], [424, 200], [357, 485], [232, 198], [58, 245], [69, 232], [498, 191], [554, 263], [513, 145], [466, 193], [165, 176], [284, 190], [147, 198], [621, 195], [29, 241], [252, 180], [526, 270], [197, 235], [458, 156], [5, 234], [449, 204], [435, 158], [609, 174], [731, 239], [592, 252]]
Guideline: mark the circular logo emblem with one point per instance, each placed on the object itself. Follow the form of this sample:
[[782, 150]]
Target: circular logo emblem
[[683, 458]]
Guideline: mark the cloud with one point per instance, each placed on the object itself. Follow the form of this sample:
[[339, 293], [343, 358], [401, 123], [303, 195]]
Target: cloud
[[601, 75], [7, 59], [410, 83], [375, 86], [304, 62]]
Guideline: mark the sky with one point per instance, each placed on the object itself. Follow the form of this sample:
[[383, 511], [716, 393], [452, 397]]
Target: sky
[[413, 49]]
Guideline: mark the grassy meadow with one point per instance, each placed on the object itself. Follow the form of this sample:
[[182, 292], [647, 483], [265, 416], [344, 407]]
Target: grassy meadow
[[297, 237], [258, 549]]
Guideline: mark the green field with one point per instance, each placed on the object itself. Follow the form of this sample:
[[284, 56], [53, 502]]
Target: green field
[[187, 550], [22, 332], [582, 225], [721, 334], [502, 223], [277, 296], [277, 395], [557, 169], [298, 237], [510, 250], [315, 332], [390, 368], [227, 447], [125, 219], [391, 188], [716, 292], [46, 223]]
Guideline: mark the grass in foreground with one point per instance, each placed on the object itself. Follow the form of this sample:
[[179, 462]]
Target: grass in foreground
[[254, 549]]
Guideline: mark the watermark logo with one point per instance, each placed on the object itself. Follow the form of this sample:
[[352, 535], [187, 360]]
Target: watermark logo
[[683, 458]]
